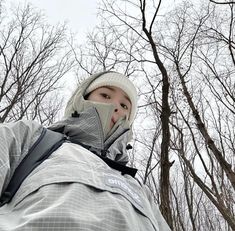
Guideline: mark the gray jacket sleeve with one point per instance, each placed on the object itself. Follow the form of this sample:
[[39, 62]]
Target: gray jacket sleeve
[[15, 140]]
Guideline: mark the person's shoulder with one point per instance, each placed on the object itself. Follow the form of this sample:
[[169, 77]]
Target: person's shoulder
[[23, 127], [32, 124]]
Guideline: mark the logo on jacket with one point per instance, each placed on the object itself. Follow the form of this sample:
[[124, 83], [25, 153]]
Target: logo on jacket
[[115, 182]]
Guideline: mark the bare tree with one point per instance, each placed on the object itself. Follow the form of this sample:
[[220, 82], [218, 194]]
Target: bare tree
[[183, 63], [145, 32], [33, 58], [219, 173]]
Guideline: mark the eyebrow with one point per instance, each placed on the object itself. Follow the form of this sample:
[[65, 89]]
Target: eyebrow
[[125, 95]]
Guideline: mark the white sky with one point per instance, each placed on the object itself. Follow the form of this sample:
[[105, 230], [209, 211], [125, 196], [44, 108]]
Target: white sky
[[80, 14]]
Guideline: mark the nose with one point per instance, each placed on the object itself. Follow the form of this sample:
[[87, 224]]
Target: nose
[[117, 107], [118, 110], [117, 113]]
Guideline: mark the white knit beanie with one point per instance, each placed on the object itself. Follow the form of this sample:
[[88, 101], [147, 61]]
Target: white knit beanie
[[117, 80]]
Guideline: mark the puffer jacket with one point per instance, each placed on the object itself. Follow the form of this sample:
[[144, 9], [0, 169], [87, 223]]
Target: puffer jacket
[[74, 189]]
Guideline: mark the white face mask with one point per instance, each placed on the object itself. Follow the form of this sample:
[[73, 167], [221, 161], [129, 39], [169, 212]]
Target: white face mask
[[105, 113]]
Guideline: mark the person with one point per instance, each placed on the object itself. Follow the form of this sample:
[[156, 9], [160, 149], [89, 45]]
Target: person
[[85, 183]]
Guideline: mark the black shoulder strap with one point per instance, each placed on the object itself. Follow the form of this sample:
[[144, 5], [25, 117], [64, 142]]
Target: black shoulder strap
[[48, 142]]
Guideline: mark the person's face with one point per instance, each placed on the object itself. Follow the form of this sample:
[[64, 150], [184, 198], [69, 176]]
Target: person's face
[[115, 96]]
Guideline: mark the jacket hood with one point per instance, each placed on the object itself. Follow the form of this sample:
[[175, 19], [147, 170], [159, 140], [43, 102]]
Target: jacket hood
[[76, 101], [78, 104]]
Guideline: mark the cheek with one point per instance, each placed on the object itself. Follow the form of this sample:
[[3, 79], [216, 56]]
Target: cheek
[[125, 113]]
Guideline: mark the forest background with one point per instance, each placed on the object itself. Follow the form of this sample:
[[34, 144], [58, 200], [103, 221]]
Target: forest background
[[182, 61]]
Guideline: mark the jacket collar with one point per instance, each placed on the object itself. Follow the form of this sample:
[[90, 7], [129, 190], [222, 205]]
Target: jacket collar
[[86, 129]]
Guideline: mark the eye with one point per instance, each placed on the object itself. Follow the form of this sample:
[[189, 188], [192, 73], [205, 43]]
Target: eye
[[104, 95], [124, 106]]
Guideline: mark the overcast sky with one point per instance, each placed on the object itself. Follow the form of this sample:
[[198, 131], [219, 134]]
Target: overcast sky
[[80, 14]]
